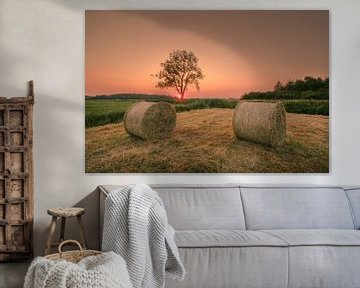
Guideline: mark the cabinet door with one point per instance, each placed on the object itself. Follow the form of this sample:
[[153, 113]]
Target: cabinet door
[[16, 210]]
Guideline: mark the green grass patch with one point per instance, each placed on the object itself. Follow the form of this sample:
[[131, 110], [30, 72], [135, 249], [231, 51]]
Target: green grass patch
[[101, 106], [99, 112], [103, 119], [197, 104], [312, 107]]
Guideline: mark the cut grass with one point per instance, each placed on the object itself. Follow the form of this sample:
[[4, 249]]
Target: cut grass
[[203, 141]]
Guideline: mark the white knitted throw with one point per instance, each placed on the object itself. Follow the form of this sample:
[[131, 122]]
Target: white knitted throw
[[136, 227], [104, 271]]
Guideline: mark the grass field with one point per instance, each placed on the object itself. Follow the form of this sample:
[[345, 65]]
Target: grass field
[[203, 141], [99, 112], [104, 111]]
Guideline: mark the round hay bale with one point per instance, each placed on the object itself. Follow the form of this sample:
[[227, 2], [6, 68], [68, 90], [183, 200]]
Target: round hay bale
[[150, 120], [261, 122]]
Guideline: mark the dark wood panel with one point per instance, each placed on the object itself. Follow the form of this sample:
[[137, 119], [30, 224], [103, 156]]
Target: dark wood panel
[[16, 177]]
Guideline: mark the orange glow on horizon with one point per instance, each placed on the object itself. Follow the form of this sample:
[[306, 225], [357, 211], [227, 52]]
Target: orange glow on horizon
[[238, 51]]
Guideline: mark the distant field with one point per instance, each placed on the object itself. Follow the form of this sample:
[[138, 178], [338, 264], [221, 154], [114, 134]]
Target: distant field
[[100, 112], [104, 111], [203, 141]]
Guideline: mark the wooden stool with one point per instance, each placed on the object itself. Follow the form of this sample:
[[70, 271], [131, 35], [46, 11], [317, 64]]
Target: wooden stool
[[64, 213]]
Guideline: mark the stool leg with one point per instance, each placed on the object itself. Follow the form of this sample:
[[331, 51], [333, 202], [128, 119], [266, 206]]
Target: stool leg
[[82, 232], [62, 230], [51, 235]]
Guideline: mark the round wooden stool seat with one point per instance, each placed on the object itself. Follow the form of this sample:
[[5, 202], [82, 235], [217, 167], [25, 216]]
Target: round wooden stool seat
[[66, 211], [63, 213]]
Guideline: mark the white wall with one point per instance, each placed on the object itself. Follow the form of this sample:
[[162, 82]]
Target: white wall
[[43, 40]]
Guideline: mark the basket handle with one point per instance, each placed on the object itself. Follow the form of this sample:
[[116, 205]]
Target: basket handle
[[69, 241]]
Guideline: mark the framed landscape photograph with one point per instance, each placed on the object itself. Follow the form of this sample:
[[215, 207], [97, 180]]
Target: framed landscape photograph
[[237, 91]]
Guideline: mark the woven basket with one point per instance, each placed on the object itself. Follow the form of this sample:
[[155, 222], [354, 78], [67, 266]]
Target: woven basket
[[72, 256]]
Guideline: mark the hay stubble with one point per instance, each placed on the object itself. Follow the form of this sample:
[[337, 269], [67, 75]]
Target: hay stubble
[[203, 141]]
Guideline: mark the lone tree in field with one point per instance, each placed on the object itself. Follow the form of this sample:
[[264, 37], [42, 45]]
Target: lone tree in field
[[180, 71]]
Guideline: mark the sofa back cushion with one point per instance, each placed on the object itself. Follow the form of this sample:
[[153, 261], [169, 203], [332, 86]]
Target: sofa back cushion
[[203, 208], [296, 208], [354, 198]]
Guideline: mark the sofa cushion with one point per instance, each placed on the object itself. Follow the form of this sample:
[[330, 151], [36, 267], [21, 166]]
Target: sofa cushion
[[192, 208], [324, 266], [322, 258], [296, 208], [199, 207], [354, 198], [315, 237], [226, 238], [218, 267]]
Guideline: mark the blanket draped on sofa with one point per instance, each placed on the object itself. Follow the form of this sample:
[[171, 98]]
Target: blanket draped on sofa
[[136, 227]]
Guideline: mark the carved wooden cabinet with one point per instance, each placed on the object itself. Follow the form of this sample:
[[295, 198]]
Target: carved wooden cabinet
[[16, 177]]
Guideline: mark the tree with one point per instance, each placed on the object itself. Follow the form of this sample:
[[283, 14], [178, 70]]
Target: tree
[[278, 86], [180, 71]]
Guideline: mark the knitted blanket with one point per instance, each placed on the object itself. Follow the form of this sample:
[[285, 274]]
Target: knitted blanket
[[136, 227], [103, 271]]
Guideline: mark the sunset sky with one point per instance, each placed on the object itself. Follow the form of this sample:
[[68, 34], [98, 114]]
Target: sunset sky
[[238, 51]]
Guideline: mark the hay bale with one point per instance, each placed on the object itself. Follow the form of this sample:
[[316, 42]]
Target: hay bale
[[150, 120], [261, 122]]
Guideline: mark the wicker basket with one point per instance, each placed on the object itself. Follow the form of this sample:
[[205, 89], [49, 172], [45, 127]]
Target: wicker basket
[[72, 256]]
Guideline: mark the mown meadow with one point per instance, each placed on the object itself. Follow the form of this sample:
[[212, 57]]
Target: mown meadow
[[204, 141]]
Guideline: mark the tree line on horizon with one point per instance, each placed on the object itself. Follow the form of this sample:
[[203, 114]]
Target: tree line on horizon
[[310, 88]]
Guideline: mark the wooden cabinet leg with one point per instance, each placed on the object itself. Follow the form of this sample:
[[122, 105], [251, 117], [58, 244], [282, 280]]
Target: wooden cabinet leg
[[51, 235], [62, 230], [82, 232]]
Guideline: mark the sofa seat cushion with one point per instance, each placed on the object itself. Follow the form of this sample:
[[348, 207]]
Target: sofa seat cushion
[[323, 258], [225, 238], [317, 237], [225, 267]]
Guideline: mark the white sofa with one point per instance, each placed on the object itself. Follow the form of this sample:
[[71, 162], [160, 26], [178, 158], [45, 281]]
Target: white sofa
[[264, 237]]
